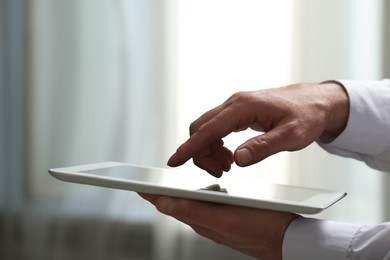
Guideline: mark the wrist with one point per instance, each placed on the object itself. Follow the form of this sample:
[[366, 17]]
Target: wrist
[[338, 109]]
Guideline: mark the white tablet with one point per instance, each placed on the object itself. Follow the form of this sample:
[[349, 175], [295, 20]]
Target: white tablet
[[200, 186]]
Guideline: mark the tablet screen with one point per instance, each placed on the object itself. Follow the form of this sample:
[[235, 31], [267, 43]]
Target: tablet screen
[[201, 182]]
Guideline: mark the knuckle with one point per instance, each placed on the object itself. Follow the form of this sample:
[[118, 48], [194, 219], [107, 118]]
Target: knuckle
[[240, 96], [202, 130], [193, 128], [264, 144]]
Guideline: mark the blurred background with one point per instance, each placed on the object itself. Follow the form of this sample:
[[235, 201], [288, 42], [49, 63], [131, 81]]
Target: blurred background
[[88, 81]]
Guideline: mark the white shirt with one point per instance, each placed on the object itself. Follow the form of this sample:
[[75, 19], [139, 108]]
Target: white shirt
[[366, 138]]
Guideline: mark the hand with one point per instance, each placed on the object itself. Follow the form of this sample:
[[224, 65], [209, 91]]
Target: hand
[[255, 232], [291, 118]]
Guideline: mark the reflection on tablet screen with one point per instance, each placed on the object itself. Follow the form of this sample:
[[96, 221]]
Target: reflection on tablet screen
[[180, 180], [215, 187]]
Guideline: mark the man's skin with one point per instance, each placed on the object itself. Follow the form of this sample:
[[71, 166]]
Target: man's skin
[[289, 119]]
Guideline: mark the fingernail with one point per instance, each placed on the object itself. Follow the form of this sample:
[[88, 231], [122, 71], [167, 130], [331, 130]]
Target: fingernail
[[244, 157], [166, 205]]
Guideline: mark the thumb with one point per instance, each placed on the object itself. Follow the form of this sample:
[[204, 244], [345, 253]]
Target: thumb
[[260, 147], [252, 151]]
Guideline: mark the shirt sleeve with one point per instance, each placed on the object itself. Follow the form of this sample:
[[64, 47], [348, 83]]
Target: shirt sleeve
[[366, 138], [322, 239], [367, 134]]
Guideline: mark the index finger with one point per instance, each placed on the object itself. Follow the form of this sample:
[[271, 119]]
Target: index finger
[[206, 117], [219, 126]]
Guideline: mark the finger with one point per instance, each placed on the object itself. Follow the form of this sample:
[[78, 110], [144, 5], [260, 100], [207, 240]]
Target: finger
[[211, 234], [229, 240], [206, 117], [192, 212], [209, 164], [215, 160], [226, 122], [203, 231], [225, 158], [149, 197], [186, 210]]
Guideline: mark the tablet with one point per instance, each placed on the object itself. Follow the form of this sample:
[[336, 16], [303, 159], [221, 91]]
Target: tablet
[[200, 186]]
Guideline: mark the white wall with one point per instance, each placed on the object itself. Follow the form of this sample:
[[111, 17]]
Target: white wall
[[225, 46]]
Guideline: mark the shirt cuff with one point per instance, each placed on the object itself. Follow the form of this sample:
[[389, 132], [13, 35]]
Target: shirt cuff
[[368, 127], [308, 238]]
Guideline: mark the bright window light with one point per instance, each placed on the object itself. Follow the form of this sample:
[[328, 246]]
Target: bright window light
[[225, 46]]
